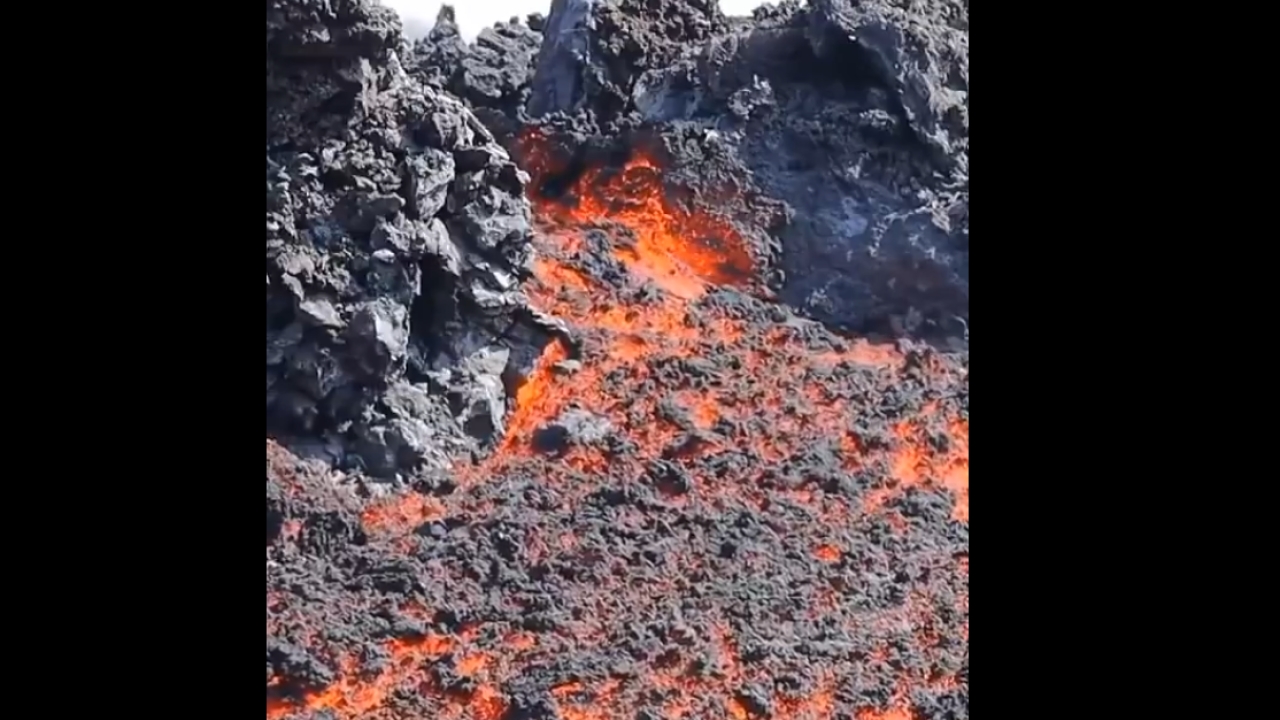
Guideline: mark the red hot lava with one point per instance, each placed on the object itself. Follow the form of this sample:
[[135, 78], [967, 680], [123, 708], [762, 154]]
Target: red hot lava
[[784, 533]]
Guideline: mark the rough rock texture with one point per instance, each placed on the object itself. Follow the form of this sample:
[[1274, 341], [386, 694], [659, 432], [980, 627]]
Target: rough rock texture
[[397, 231], [682, 414], [852, 115], [595, 50], [491, 74]]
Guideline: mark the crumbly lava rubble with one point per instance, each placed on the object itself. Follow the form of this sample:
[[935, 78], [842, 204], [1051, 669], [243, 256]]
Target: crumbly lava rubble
[[617, 363]]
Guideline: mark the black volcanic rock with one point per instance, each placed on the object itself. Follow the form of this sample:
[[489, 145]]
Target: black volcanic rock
[[841, 128], [397, 236], [739, 492]]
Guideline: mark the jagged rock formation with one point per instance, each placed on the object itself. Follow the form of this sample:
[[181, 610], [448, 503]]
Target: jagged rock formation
[[491, 74], [650, 431], [397, 234], [834, 137]]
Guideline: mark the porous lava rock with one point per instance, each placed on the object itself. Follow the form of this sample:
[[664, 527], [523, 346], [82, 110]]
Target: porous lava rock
[[836, 135], [492, 74], [397, 235], [680, 417]]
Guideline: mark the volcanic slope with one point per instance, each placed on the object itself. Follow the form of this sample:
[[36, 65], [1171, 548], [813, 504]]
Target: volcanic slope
[[704, 507]]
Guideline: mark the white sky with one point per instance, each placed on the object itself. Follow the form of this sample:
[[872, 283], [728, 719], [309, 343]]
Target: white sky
[[475, 15]]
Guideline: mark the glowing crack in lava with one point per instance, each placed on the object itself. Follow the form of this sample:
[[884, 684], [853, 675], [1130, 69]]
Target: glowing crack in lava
[[738, 514]]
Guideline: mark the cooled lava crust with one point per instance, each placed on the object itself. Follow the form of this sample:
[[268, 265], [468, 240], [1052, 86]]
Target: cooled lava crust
[[704, 507]]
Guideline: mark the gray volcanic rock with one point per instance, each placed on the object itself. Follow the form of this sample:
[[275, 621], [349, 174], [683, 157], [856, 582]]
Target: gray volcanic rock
[[841, 129], [920, 50], [707, 506], [397, 234], [594, 51], [835, 136], [492, 74]]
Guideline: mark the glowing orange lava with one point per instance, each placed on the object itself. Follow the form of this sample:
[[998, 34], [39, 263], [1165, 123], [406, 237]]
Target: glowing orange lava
[[757, 389]]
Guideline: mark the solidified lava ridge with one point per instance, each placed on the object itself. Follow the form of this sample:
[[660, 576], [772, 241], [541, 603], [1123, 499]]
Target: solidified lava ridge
[[704, 506]]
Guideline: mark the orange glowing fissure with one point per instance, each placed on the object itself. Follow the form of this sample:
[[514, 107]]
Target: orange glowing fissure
[[684, 255]]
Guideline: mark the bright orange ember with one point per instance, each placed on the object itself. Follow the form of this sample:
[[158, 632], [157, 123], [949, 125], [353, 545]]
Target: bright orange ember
[[775, 403]]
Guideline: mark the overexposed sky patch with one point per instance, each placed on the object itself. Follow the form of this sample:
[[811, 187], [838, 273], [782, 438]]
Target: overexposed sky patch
[[475, 15]]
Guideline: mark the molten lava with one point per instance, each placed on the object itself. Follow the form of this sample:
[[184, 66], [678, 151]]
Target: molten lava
[[711, 404]]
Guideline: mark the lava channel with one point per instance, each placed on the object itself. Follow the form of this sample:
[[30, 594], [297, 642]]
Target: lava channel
[[704, 506]]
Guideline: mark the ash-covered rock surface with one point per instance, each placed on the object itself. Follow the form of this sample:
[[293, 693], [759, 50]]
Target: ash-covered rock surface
[[397, 236]]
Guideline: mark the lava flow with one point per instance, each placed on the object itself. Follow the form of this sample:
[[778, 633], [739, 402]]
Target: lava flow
[[704, 507]]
